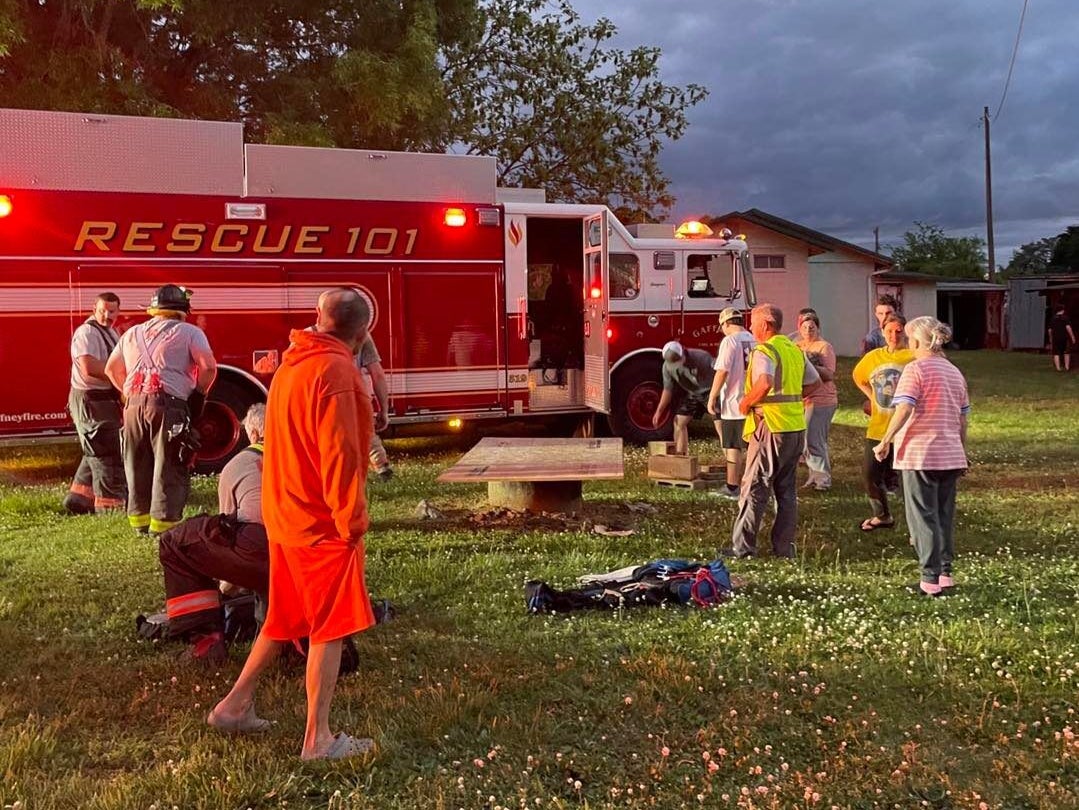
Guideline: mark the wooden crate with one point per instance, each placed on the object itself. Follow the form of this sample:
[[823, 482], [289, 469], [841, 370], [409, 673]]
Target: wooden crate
[[673, 467], [661, 448]]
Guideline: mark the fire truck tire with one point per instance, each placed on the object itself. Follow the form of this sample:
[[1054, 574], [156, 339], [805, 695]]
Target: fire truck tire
[[220, 429], [635, 392]]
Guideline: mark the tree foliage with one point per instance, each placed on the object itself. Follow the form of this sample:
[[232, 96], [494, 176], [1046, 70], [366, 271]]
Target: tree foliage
[[926, 249], [1065, 256], [523, 80], [1033, 258], [340, 72], [563, 110]]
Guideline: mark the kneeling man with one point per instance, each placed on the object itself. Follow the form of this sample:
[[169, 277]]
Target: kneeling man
[[230, 548]]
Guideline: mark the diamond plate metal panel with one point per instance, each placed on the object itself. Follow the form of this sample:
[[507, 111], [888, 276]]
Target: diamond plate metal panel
[[90, 152], [360, 174]]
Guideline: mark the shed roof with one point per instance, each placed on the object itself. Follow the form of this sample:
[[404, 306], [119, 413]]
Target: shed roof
[[822, 241], [970, 285], [906, 275]]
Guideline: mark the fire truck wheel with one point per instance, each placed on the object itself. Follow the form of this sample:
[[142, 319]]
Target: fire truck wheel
[[220, 429], [635, 392]]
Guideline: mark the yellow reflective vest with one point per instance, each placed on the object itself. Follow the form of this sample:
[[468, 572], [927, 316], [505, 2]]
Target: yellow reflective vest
[[782, 408]]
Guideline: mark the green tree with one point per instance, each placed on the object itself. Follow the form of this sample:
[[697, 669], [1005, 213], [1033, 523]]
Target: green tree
[[563, 110], [1033, 258], [1065, 257], [327, 72], [926, 249]]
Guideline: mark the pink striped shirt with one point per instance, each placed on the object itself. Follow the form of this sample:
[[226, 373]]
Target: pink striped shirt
[[930, 440]]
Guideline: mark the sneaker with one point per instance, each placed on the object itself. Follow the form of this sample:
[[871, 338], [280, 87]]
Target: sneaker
[[385, 474], [724, 492], [730, 553], [946, 582], [925, 589]]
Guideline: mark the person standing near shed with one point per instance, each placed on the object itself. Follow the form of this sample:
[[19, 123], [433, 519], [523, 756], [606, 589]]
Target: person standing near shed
[[821, 401], [874, 339], [876, 376], [95, 409], [1061, 338], [164, 367], [315, 509], [776, 429], [929, 427]]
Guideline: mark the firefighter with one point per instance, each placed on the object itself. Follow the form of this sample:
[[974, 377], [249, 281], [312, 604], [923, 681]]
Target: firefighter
[[94, 404], [229, 547], [164, 367]]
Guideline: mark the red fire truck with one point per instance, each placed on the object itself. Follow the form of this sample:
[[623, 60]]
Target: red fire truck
[[487, 303]]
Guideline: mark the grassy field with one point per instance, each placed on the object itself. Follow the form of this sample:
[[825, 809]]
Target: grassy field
[[823, 684]]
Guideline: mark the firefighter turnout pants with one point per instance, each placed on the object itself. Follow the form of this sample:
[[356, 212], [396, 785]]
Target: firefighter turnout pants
[[196, 554], [158, 482], [99, 482]]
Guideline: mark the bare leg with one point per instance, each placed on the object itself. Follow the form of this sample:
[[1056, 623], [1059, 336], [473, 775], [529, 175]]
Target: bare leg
[[238, 701], [323, 664], [681, 434], [735, 467]]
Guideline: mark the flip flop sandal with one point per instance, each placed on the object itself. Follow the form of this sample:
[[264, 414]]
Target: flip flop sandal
[[869, 526], [247, 723], [344, 746]]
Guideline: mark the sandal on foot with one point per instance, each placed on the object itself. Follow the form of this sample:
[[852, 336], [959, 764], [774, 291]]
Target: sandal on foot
[[344, 746], [246, 723], [874, 523]]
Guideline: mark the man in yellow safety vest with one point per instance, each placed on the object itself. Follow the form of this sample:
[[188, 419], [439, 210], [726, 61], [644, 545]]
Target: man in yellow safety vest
[[776, 430]]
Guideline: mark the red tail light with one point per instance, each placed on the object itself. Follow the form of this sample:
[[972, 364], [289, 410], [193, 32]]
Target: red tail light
[[455, 217], [595, 292], [610, 334], [5, 205]]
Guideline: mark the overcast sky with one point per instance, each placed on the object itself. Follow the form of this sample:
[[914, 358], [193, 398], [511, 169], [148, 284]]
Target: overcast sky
[[843, 115]]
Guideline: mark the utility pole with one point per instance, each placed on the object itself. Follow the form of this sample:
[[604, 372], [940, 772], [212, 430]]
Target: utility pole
[[989, 200], [876, 239]]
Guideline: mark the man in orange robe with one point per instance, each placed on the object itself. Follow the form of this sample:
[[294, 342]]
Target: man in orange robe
[[318, 421]]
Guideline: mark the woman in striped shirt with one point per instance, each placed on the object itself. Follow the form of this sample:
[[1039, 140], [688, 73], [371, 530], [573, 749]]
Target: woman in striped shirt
[[929, 427]]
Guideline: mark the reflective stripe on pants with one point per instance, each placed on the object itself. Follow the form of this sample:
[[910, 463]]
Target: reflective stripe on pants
[[158, 483]]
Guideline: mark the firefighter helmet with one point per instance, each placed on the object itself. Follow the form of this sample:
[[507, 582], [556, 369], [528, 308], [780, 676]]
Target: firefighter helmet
[[172, 297]]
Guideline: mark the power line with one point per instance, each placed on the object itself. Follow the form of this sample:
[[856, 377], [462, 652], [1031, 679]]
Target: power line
[[1011, 65]]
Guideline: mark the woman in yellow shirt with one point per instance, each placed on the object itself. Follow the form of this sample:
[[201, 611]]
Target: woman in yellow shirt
[[876, 375]]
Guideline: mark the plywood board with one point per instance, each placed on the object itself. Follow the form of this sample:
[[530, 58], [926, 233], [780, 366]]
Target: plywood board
[[497, 459]]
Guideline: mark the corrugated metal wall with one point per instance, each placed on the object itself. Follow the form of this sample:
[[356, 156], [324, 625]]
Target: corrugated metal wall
[[1026, 313]]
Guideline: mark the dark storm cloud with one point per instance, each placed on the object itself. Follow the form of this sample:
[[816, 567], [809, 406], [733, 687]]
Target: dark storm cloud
[[848, 114]]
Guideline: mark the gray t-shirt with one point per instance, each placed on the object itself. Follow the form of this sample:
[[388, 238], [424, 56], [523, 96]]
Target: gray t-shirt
[[239, 489], [89, 340], [692, 377], [173, 347], [367, 354]]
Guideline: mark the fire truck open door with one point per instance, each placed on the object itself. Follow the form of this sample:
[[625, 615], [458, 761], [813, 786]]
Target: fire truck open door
[[597, 390]]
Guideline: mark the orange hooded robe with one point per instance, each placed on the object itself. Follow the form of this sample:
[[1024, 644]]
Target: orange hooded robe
[[318, 423]]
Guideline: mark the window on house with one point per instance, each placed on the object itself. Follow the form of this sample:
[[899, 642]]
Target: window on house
[[625, 275], [769, 261], [709, 275]]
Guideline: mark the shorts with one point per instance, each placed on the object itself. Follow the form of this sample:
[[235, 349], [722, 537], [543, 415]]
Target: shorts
[[317, 591], [693, 407], [730, 434], [1059, 347]]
